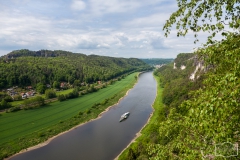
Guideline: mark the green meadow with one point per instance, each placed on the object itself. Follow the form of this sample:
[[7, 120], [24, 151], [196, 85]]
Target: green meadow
[[19, 125]]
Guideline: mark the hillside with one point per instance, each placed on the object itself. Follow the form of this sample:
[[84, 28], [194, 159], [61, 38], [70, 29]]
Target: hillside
[[25, 67], [157, 61], [196, 117]]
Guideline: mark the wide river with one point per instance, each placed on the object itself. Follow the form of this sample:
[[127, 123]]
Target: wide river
[[106, 137]]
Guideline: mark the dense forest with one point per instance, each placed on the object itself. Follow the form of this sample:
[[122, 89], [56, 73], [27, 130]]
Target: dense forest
[[25, 67], [157, 61], [197, 107], [198, 118]]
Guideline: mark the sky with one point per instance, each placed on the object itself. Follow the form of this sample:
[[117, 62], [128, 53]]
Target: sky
[[116, 28]]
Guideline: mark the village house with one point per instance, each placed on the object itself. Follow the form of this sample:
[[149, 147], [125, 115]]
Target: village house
[[29, 87], [23, 95], [63, 85]]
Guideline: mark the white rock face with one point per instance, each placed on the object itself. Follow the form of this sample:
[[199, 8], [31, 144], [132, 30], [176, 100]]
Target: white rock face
[[174, 66], [199, 66], [159, 65], [183, 67]]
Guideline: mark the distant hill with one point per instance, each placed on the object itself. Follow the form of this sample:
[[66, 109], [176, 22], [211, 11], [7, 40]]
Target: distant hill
[[25, 67], [157, 61]]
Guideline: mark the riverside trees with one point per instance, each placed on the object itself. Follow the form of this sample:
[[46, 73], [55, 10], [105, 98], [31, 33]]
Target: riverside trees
[[205, 125], [210, 117]]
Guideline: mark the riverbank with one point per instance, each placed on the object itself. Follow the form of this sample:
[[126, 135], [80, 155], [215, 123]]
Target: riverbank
[[144, 133], [107, 106]]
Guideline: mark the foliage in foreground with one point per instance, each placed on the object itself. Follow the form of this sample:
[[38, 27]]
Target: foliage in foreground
[[206, 125]]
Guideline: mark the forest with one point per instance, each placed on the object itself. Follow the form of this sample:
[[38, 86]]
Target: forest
[[197, 117], [157, 61], [193, 118], [24, 67]]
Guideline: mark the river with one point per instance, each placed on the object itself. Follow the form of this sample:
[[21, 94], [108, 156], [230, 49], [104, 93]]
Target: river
[[106, 137]]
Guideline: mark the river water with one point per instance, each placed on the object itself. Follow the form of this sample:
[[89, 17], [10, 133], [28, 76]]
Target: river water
[[106, 137]]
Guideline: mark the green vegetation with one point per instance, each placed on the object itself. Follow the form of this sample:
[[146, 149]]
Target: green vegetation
[[201, 116], [195, 115], [64, 91], [49, 93], [61, 69], [210, 115], [26, 128], [33, 102], [204, 16], [157, 61]]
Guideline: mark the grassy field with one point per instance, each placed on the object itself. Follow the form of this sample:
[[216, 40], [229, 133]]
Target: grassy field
[[64, 91], [21, 124]]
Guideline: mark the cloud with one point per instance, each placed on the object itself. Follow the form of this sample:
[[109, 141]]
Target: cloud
[[131, 28], [154, 20], [78, 5], [158, 43], [100, 7]]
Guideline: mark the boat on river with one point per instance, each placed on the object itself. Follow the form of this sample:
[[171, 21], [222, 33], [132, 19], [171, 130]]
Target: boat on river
[[124, 116]]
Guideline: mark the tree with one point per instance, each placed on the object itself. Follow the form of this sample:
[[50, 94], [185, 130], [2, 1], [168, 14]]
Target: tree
[[41, 88], [56, 85], [34, 102], [8, 98], [4, 104], [49, 93], [77, 83], [204, 15], [61, 97]]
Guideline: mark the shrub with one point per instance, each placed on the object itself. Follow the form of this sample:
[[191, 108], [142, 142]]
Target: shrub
[[61, 97], [88, 111], [13, 109], [8, 99], [34, 102], [41, 134], [73, 94], [49, 93], [17, 97]]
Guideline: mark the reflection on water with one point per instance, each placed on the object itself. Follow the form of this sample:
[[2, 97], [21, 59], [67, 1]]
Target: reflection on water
[[104, 138]]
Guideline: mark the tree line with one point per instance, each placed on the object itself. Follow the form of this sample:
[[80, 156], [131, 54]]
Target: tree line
[[25, 67]]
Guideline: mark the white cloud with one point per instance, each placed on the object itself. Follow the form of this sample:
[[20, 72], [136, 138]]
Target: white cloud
[[155, 20], [78, 5], [130, 28], [100, 7]]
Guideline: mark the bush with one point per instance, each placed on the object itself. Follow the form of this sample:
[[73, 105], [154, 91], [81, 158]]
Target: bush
[[73, 94], [88, 111], [61, 97], [4, 104], [13, 109], [49, 93], [17, 97], [95, 105], [34, 102], [105, 101], [8, 99], [41, 134]]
